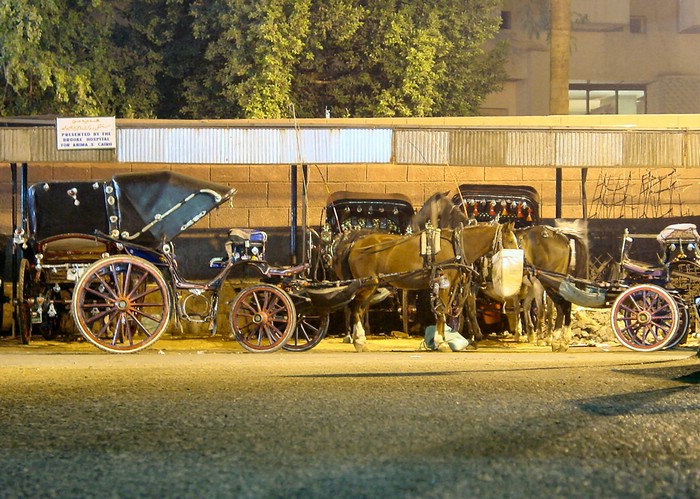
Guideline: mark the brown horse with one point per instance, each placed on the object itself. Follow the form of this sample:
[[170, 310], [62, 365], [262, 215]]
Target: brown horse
[[549, 249], [443, 267]]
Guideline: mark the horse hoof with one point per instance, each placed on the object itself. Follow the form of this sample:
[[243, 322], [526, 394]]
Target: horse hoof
[[360, 346], [444, 347], [347, 339]]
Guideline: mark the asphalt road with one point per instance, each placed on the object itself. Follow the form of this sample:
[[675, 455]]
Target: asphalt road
[[199, 420]]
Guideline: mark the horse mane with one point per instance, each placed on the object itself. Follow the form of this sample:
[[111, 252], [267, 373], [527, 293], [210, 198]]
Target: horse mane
[[576, 231], [441, 212], [341, 251]]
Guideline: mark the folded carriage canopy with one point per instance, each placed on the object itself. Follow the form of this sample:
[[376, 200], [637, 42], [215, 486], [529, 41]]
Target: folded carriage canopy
[[146, 208]]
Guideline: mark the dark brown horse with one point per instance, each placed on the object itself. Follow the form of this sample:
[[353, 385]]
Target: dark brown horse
[[549, 249], [436, 260]]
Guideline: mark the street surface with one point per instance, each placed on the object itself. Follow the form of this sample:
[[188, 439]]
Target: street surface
[[204, 419]]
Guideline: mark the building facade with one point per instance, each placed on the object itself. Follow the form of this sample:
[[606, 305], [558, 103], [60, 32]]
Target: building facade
[[627, 57]]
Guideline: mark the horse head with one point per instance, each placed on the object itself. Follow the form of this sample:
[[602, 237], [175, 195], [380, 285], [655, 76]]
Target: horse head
[[441, 212]]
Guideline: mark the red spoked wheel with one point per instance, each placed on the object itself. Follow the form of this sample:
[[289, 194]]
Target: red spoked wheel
[[645, 318], [262, 318], [121, 304], [310, 330]]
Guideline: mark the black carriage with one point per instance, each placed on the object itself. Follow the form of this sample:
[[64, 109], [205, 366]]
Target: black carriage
[[348, 211], [104, 251], [519, 204]]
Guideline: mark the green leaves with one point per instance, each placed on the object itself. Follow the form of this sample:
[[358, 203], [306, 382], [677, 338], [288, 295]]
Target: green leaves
[[248, 59]]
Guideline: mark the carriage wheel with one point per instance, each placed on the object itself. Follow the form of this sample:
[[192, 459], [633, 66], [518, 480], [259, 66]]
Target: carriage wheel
[[121, 304], [645, 318], [23, 308], [262, 318], [685, 278], [310, 330], [683, 324]]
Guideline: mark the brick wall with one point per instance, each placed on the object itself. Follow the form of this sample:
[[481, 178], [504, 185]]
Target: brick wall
[[264, 192]]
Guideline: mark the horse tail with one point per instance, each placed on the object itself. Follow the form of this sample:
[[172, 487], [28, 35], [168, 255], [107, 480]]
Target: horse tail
[[581, 248]]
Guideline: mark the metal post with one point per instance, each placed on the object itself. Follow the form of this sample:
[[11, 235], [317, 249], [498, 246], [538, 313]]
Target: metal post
[[304, 212], [15, 258], [558, 193], [293, 233]]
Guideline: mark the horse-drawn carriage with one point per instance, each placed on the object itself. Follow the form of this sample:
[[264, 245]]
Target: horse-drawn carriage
[[653, 305], [102, 254], [361, 212], [519, 204]]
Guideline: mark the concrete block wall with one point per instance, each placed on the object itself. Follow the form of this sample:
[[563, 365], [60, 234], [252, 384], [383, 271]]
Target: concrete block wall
[[264, 191]]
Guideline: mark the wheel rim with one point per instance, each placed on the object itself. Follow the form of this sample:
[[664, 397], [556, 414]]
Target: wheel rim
[[121, 304], [23, 308], [310, 330], [262, 318], [645, 318]]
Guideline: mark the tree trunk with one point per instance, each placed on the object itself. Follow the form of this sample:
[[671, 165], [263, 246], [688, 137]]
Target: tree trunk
[[559, 57], [559, 74]]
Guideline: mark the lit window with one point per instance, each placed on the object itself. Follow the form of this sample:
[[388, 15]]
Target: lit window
[[607, 99]]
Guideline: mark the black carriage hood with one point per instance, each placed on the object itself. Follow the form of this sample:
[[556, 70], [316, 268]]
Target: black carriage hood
[[145, 208], [343, 205], [157, 206]]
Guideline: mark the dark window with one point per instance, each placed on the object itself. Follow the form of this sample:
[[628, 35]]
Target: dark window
[[638, 24], [505, 19]]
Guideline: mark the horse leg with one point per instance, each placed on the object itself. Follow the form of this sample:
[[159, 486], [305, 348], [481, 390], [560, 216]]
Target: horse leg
[[358, 311], [444, 303], [567, 335], [538, 296], [533, 306], [512, 310], [560, 338], [549, 311], [470, 316]]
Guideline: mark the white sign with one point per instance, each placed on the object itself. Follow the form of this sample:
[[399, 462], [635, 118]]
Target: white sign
[[86, 133]]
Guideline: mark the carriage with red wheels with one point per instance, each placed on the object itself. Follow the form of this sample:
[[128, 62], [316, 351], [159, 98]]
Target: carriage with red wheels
[[653, 306], [102, 254]]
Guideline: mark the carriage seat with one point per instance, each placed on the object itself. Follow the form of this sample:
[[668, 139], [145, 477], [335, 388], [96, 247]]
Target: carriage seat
[[73, 248], [644, 269]]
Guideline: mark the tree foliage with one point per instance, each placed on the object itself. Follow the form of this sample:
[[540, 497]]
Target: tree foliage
[[248, 59]]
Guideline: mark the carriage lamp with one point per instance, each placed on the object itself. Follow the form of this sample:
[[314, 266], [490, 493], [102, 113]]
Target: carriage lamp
[[492, 209]]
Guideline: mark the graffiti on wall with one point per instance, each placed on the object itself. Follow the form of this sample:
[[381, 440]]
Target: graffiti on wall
[[653, 196]]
